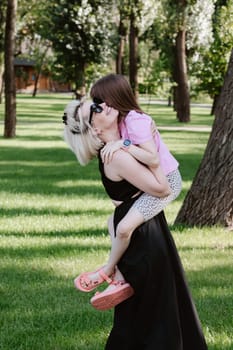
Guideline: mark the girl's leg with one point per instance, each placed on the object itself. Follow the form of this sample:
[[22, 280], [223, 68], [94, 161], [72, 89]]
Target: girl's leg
[[111, 226], [121, 240], [150, 206], [93, 277], [143, 209]]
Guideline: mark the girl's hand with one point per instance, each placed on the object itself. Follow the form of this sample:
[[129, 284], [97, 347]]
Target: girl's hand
[[153, 128], [109, 149]]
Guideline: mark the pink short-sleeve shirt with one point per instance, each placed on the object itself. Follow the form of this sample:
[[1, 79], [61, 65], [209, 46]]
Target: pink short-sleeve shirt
[[137, 128]]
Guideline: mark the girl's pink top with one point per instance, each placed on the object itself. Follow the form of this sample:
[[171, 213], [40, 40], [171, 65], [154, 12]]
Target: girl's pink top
[[137, 128]]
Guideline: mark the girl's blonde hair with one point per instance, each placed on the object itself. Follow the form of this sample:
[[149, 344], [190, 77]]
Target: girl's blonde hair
[[78, 133]]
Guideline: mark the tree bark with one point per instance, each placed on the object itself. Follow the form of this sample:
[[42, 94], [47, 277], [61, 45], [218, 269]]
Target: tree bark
[[133, 54], [9, 76], [122, 30], [43, 56], [210, 198], [1, 77], [215, 100], [182, 102]]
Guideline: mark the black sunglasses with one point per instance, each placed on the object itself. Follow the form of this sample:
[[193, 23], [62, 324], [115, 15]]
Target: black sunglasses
[[97, 100], [95, 108]]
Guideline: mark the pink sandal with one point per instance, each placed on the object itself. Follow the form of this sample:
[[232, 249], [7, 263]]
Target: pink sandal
[[110, 298], [84, 279]]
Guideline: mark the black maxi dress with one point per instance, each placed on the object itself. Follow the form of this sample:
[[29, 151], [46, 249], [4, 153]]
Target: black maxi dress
[[161, 314]]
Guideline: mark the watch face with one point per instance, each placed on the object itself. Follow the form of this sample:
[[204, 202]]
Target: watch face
[[127, 143]]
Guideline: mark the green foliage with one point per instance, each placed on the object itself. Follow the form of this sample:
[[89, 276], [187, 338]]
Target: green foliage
[[79, 32], [2, 25], [84, 37], [173, 16], [154, 78], [211, 69]]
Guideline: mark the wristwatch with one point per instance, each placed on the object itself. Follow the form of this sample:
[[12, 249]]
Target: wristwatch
[[126, 143]]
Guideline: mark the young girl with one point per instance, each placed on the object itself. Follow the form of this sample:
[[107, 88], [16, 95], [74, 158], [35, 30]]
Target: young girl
[[83, 141]]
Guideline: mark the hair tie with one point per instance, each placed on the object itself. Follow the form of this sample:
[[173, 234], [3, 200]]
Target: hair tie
[[64, 118]]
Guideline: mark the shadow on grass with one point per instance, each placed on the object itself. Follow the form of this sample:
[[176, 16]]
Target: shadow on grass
[[42, 311], [52, 250], [47, 166], [38, 138], [54, 212], [212, 293]]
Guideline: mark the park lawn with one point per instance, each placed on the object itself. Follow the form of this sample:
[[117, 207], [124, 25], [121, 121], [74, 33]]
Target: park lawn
[[53, 215]]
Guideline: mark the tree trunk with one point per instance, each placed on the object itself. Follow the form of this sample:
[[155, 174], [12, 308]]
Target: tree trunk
[[174, 98], [133, 54], [122, 30], [215, 101], [210, 199], [80, 82], [120, 54], [9, 76], [182, 102], [1, 78], [39, 71], [36, 84]]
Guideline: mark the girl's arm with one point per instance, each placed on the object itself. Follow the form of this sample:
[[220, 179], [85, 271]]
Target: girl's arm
[[151, 158], [145, 153], [125, 166]]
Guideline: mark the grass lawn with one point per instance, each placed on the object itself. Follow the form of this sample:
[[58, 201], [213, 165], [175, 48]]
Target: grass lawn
[[53, 215]]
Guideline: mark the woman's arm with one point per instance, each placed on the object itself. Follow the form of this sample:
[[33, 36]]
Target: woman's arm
[[125, 166], [145, 153]]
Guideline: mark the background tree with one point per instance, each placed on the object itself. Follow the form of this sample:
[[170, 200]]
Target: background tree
[[80, 34], [29, 44], [180, 32], [122, 32], [210, 198], [40, 53], [180, 73], [211, 65], [2, 33], [134, 18], [10, 89]]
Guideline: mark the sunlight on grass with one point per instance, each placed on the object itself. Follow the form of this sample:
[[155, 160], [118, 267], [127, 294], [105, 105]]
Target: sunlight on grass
[[84, 183]]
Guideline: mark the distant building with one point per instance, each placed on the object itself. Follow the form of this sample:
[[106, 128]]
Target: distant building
[[25, 74]]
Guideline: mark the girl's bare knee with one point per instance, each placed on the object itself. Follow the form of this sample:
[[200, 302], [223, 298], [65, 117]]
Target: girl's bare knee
[[123, 231]]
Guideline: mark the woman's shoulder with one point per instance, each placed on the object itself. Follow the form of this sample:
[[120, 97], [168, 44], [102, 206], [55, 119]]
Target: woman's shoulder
[[121, 157]]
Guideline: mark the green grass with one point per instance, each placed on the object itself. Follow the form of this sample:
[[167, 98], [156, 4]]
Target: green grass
[[53, 215]]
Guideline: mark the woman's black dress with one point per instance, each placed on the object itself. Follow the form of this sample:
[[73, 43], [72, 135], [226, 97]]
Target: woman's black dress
[[161, 314]]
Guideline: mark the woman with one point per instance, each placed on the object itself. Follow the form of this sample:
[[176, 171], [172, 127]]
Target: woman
[[160, 315], [154, 183]]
